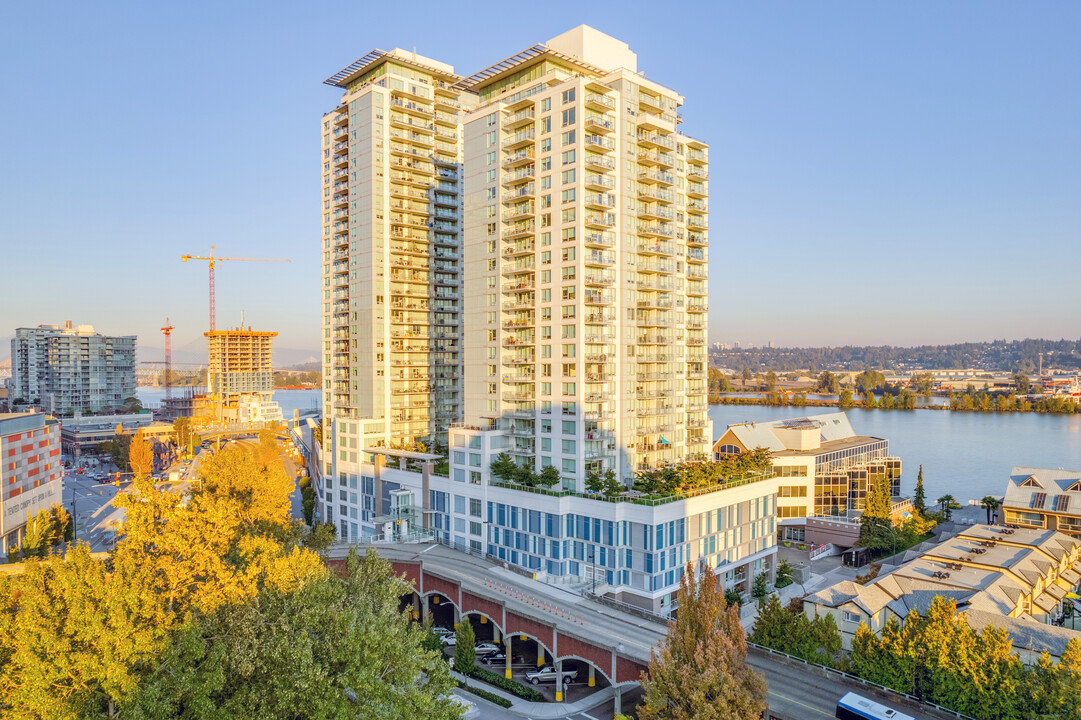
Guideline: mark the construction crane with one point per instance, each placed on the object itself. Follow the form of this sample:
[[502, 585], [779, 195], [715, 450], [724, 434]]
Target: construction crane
[[168, 332], [213, 259]]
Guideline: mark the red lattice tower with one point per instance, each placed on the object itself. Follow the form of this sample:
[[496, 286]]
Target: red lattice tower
[[168, 332]]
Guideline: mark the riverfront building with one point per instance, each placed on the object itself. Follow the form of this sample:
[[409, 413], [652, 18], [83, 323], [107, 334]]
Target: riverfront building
[[1017, 579], [824, 468], [1044, 498], [581, 209], [71, 368], [240, 375], [31, 471]]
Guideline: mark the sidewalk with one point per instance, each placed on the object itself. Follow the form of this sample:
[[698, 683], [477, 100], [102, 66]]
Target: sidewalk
[[538, 710]]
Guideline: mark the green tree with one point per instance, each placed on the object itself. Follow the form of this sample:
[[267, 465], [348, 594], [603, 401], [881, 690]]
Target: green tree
[[465, 647], [184, 433], [744, 377], [922, 383], [317, 649], [320, 537], [920, 500], [548, 476], [503, 467], [774, 627], [594, 482], [771, 381], [990, 504], [612, 485], [701, 669], [945, 504], [63, 528], [759, 587], [785, 574], [869, 381], [1022, 383], [827, 383], [845, 401]]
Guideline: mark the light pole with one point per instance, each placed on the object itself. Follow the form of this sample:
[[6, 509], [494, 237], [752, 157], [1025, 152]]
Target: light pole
[[74, 516], [593, 573]]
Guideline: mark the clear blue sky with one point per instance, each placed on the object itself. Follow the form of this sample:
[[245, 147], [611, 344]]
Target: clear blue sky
[[893, 173]]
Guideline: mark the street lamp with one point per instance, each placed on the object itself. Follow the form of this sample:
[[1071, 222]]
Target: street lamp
[[74, 516], [593, 574]]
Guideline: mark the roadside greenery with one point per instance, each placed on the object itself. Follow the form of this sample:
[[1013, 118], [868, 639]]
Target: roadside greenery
[[44, 531], [878, 532], [939, 658], [701, 668], [778, 628], [512, 686], [490, 697], [784, 574], [307, 498], [465, 651]]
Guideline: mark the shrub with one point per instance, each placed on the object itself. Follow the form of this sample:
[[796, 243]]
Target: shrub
[[490, 697], [512, 686]]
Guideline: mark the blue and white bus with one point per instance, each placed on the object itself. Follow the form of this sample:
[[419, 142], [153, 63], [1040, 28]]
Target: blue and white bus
[[856, 707]]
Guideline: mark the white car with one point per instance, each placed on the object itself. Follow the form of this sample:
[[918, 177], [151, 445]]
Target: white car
[[548, 674], [449, 640], [486, 649]]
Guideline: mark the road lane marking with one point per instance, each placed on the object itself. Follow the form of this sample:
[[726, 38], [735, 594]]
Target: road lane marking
[[813, 709]]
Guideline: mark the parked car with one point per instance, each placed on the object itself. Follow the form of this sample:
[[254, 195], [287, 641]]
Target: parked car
[[486, 649], [499, 658], [449, 640], [548, 674]]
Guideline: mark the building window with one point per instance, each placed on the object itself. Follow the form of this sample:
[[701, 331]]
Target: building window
[[852, 617]]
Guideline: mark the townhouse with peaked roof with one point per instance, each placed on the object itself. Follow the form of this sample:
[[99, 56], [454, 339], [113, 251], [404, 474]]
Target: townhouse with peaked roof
[[1044, 498], [1017, 579]]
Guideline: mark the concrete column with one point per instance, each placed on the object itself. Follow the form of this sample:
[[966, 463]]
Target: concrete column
[[540, 655], [458, 617], [618, 700], [416, 607], [507, 650], [559, 681], [425, 503], [592, 675]]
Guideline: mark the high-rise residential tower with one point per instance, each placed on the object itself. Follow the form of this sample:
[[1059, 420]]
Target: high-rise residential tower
[[392, 253], [585, 247], [240, 375], [65, 369], [562, 175]]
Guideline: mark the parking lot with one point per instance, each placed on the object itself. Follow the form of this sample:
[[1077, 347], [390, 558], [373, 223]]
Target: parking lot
[[524, 659]]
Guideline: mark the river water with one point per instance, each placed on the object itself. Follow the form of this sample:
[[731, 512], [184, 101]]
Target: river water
[[968, 455], [289, 400]]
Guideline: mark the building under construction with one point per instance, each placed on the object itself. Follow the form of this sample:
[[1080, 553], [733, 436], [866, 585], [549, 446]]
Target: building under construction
[[240, 375]]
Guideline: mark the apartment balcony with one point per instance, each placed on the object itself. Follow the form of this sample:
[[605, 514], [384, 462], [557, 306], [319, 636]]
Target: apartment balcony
[[518, 158], [519, 249], [518, 396], [407, 122], [446, 103], [700, 222], [519, 212], [596, 278], [522, 284], [598, 415], [697, 172], [519, 322], [524, 303], [657, 266], [341, 118], [520, 412], [599, 239], [653, 121], [445, 118], [520, 175], [599, 201], [654, 303], [698, 157], [697, 238], [520, 230], [594, 181], [600, 220], [598, 397], [650, 102], [697, 307], [654, 339], [600, 123], [519, 193], [520, 139], [657, 248], [654, 211], [599, 298], [656, 194], [341, 200], [520, 340], [658, 177], [599, 319], [341, 160], [412, 137], [519, 119], [599, 163], [425, 168], [656, 159], [599, 143], [409, 106], [597, 258], [340, 174], [519, 361], [655, 140], [696, 190]]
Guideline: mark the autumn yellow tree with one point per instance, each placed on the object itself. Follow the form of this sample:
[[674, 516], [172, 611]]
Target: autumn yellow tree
[[141, 455], [701, 672]]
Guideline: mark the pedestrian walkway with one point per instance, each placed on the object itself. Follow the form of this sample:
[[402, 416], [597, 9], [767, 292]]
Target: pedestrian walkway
[[538, 710]]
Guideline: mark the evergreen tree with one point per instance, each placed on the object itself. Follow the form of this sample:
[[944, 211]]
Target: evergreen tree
[[465, 647], [700, 672], [920, 500]]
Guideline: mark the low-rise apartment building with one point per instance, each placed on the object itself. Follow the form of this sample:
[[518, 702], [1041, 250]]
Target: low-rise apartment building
[[31, 471], [824, 470], [1012, 578], [1045, 499], [635, 548]]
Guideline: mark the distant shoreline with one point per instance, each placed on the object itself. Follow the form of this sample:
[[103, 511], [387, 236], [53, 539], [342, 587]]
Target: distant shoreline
[[1054, 405]]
